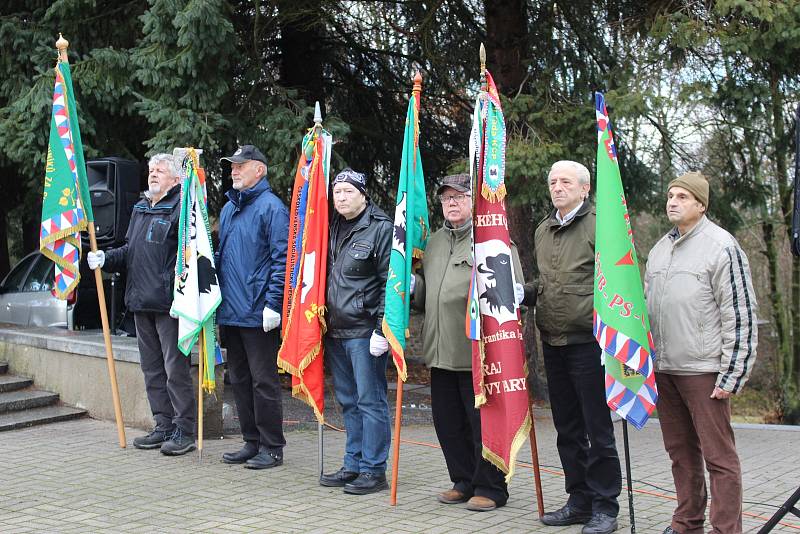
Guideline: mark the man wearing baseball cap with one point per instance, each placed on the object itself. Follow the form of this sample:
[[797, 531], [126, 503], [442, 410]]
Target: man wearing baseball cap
[[702, 311], [441, 290], [253, 233]]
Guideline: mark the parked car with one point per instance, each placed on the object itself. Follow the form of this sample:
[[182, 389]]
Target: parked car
[[28, 297]]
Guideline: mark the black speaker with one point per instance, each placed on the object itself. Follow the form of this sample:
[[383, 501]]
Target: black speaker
[[113, 190]]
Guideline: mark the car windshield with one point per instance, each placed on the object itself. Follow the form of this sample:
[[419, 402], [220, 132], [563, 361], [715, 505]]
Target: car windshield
[[41, 276]]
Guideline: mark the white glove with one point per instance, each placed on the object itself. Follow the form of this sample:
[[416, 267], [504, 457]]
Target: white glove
[[519, 293], [95, 259], [173, 314], [378, 345], [412, 283], [270, 319]]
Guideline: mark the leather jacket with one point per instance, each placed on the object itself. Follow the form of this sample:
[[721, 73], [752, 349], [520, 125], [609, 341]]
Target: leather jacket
[[357, 271]]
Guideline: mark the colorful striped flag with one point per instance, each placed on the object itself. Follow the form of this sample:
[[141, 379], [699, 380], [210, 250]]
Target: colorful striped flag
[[499, 370], [621, 324], [409, 240], [66, 209], [301, 352], [196, 295]]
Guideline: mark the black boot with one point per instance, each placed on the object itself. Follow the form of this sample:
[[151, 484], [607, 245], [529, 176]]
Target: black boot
[[153, 440], [179, 443], [249, 450], [264, 459], [366, 483], [337, 479]]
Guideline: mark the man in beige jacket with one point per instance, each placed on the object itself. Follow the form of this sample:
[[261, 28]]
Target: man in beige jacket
[[702, 310]]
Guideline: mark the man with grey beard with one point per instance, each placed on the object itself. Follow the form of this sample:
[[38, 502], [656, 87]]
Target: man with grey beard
[[148, 256]]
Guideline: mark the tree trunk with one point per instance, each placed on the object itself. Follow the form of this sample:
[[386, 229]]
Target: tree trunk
[[302, 48], [506, 45]]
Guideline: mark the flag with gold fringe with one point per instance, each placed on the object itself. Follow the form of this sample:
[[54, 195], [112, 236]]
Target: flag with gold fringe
[[66, 209], [196, 294], [301, 352], [499, 370], [409, 239]]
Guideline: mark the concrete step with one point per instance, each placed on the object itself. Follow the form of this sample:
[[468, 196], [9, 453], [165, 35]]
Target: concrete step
[[38, 416], [3, 368], [11, 401], [13, 383]]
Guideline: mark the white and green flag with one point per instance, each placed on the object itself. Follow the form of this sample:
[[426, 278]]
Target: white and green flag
[[196, 295]]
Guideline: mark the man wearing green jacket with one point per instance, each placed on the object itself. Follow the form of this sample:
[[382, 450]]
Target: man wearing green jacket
[[441, 290], [563, 296]]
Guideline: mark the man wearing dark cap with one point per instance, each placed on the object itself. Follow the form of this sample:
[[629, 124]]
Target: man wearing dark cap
[[358, 262], [441, 289], [702, 311], [253, 233]]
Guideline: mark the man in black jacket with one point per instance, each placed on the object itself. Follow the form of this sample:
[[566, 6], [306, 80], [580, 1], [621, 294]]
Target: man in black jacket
[[148, 256], [358, 262]]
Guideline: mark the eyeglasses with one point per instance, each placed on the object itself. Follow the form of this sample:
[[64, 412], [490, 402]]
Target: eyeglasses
[[445, 199]]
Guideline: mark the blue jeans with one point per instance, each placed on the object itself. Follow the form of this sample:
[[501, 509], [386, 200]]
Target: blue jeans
[[359, 379]]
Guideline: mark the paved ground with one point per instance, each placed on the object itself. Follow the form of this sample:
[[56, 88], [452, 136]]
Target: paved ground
[[72, 477]]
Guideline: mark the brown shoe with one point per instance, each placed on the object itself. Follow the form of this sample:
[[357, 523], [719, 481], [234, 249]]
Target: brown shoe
[[481, 504], [451, 496]]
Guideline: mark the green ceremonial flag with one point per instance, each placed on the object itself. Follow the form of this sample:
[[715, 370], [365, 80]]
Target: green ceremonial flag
[[409, 239], [621, 324], [66, 208]]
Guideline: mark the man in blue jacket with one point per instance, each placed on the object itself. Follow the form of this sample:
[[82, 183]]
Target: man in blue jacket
[[253, 233], [148, 256]]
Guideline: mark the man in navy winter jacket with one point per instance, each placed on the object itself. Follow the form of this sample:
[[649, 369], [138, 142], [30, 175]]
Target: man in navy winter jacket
[[253, 233]]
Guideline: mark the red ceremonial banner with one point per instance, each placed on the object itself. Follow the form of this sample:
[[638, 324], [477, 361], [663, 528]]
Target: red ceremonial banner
[[499, 368], [301, 353]]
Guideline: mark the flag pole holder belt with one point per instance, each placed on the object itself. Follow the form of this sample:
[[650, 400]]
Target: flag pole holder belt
[[788, 506]]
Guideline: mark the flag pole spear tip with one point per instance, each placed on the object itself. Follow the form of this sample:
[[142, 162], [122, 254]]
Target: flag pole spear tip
[[317, 114], [482, 54], [417, 83], [62, 45]]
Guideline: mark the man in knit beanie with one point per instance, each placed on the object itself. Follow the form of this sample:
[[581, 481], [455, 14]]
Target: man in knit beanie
[[702, 310]]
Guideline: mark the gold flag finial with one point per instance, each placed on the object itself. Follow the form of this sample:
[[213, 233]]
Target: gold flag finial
[[417, 83], [62, 45], [482, 54]]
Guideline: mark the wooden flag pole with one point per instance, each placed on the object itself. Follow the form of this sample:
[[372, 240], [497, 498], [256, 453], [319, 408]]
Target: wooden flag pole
[[398, 416], [398, 407], [62, 45], [537, 475], [201, 356]]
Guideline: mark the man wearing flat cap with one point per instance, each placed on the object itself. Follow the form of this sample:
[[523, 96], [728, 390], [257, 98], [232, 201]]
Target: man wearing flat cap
[[702, 310], [253, 233], [358, 262], [441, 289]]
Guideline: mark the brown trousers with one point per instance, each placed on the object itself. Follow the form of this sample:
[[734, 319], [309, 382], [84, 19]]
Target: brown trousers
[[697, 428]]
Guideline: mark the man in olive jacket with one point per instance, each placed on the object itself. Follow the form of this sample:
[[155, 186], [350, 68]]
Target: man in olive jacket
[[563, 296], [441, 289]]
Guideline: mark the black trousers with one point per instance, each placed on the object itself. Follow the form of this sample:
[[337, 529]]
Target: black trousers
[[585, 442], [458, 428], [167, 372], [253, 373]]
